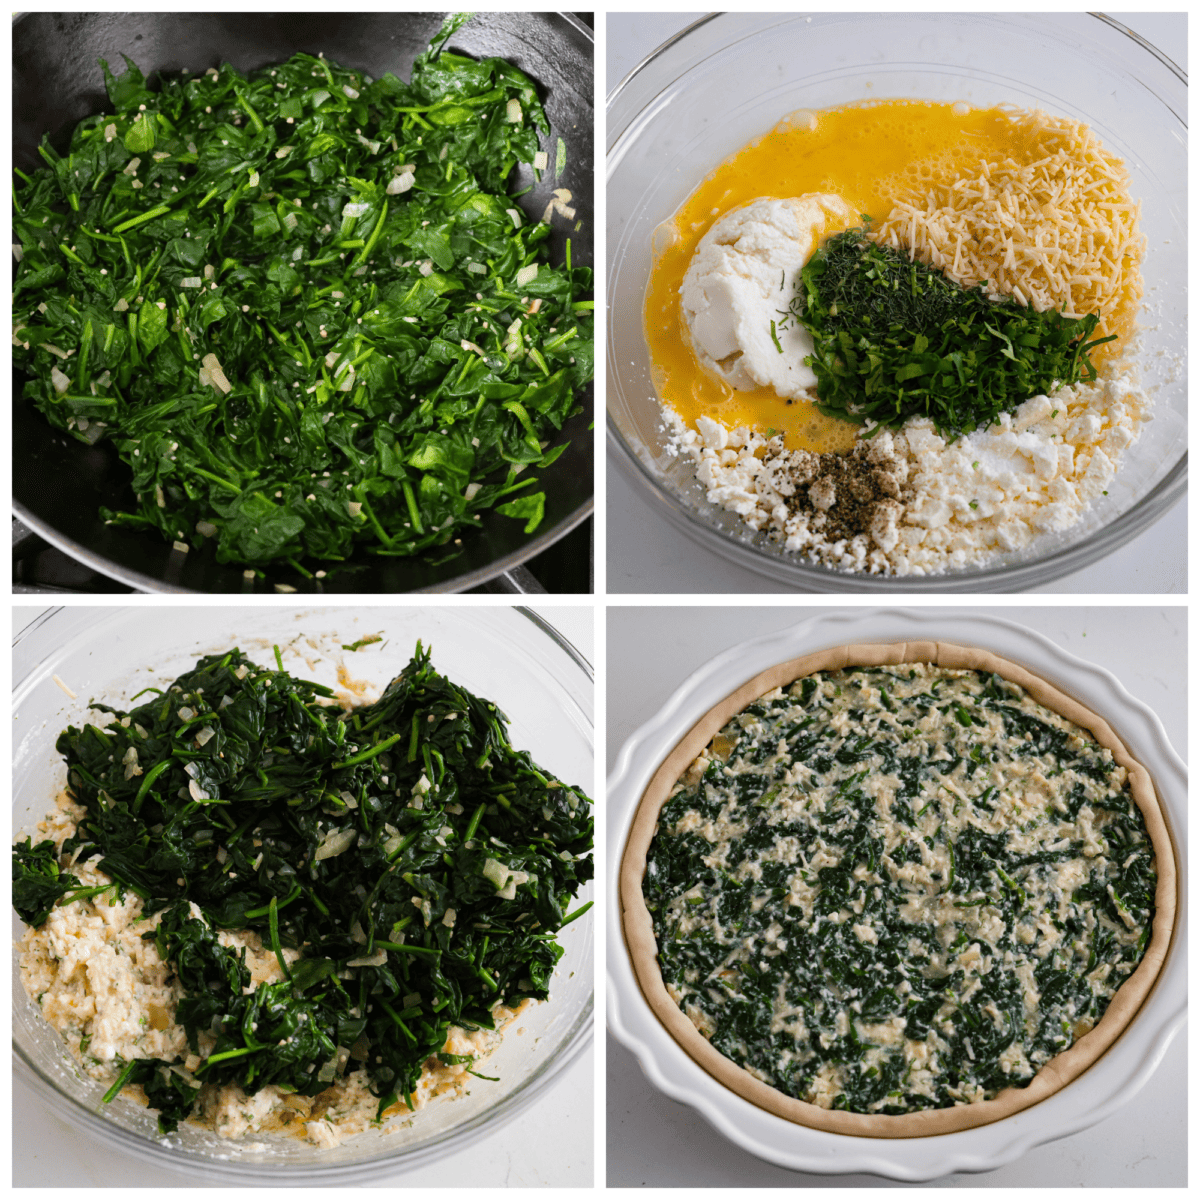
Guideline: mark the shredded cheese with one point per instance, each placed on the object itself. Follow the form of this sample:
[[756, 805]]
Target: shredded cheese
[[1058, 230]]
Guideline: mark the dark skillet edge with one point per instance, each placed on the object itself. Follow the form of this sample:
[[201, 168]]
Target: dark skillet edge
[[198, 571]]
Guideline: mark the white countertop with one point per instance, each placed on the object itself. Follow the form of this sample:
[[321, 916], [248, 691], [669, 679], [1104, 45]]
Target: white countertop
[[647, 554], [653, 1141], [549, 1145]]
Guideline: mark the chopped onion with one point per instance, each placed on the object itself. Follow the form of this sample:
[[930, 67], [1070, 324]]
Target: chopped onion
[[319, 98], [197, 792], [216, 376], [205, 736], [527, 274], [378, 959], [351, 92], [401, 183], [540, 160], [18, 251], [512, 111], [206, 529], [355, 209], [191, 281], [60, 381], [496, 872], [335, 842]]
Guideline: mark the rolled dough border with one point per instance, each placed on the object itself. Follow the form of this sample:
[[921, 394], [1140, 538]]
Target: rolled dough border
[[638, 929]]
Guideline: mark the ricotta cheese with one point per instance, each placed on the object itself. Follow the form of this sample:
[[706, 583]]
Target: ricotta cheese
[[740, 283]]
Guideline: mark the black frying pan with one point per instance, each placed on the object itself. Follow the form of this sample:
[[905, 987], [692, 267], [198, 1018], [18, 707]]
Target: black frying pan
[[59, 484]]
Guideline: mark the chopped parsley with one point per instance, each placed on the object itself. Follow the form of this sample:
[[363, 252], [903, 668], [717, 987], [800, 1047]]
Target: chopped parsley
[[895, 339]]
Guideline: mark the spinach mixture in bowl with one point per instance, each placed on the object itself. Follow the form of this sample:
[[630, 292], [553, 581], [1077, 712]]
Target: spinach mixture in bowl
[[262, 912]]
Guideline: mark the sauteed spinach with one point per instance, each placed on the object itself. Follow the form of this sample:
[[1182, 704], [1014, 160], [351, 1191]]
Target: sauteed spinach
[[302, 307], [420, 864]]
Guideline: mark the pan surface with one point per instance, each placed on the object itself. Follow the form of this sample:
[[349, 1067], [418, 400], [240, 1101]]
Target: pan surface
[[59, 484]]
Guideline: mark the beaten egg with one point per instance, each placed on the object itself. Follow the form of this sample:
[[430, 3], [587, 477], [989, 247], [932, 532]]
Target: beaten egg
[[870, 154]]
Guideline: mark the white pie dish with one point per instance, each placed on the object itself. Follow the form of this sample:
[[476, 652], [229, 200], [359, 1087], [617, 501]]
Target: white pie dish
[[1096, 1095], [510, 655]]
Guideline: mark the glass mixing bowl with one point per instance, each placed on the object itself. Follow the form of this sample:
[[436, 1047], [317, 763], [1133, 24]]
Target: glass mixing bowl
[[510, 655], [732, 77]]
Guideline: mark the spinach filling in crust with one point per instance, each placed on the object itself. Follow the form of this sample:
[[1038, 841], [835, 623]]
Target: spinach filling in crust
[[886, 889]]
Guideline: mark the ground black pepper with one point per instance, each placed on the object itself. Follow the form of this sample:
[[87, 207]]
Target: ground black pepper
[[844, 495]]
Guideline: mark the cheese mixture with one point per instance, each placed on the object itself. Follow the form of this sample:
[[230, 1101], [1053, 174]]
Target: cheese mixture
[[951, 504], [112, 998], [887, 889]]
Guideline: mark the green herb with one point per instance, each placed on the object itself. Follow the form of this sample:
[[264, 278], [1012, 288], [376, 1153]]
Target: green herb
[[409, 832], [369, 640], [894, 339], [301, 306], [775, 338]]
